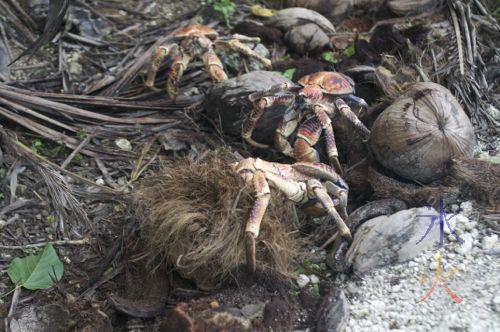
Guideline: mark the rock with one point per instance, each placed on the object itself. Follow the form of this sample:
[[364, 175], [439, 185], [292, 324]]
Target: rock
[[278, 315], [466, 208], [466, 247], [48, 318], [314, 279], [333, 313], [287, 19], [302, 280], [228, 104], [307, 38], [490, 242], [377, 306], [392, 239], [252, 311], [123, 144], [495, 301], [409, 7], [305, 30], [234, 60]]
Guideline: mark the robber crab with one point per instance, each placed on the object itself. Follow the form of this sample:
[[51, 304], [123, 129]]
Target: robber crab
[[198, 41], [315, 186], [312, 103]]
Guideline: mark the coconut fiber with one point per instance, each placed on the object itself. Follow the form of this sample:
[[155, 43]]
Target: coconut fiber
[[193, 216]]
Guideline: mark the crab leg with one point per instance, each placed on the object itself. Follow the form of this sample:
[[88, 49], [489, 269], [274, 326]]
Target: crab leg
[[316, 189], [260, 105], [275, 89], [341, 194], [351, 116], [238, 46], [307, 136], [286, 127], [158, 55], [263, 194], [180, 63], [213, 65], [331, 147]]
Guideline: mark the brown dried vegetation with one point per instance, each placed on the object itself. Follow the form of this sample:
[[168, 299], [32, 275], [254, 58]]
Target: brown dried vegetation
[[193, 217]]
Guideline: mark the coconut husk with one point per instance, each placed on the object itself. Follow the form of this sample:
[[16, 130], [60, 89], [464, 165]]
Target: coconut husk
[[413, 195], [193, 219], [479, 179], [421, 132]]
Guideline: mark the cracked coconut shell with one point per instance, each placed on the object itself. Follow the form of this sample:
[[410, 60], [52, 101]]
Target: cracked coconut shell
[[421, 132]]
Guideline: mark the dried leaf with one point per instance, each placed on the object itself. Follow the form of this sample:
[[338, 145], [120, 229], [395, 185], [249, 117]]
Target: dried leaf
[[258, 10]]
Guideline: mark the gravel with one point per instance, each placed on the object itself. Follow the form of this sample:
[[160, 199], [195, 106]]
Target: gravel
[[385, 298]]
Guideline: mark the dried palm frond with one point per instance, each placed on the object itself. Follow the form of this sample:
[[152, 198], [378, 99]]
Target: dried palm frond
[[62, 195]]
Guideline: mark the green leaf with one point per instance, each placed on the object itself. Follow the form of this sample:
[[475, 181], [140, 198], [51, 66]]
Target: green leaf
[[37, 272], [315, 290], [329, 56], [350, 51], [289, 73]]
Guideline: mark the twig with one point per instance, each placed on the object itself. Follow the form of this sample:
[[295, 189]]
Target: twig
[[459, 39], [42, 244], [105, 173], [13, 306], [75, 151], [465, 26], [16, 205], [329, 241], [472, 33]]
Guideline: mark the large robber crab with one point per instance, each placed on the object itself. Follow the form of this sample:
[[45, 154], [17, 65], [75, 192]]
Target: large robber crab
[[311, 105], [198, 41], [315, 186]]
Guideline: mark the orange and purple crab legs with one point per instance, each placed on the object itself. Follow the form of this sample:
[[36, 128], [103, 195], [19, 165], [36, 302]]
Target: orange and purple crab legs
[[262, 194], [315, 187], [334, 184], [213, 65], [351, 116], [309, 134], [286, 127], [180, 63], [260, 105], [158, 55], [238, 46]]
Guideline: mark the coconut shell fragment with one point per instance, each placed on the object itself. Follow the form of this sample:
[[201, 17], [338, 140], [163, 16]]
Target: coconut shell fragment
[[418, 135]]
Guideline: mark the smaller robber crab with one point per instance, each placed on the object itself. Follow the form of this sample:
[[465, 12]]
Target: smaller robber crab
[[316, 187], [312, 104], [198, 41]]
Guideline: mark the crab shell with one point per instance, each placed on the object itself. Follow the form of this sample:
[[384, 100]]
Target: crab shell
[[332, 83], [192, 30]]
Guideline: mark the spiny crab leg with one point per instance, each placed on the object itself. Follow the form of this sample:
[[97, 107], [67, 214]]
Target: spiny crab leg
[[213, 65], [260, 106], [315, 188], [308, 135], [158, 55], [351, 116], [282, 87], [263, 195], [321, 112], [180, 63], [285, 128]]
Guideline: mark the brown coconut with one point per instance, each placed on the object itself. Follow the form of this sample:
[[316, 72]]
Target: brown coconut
[[193, 219], [418, 135]]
